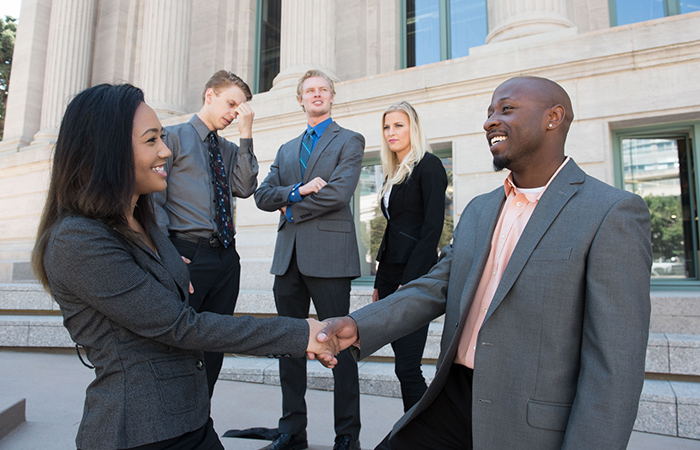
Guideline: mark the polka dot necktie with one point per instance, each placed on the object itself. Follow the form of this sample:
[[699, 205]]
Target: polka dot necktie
[[307, 145], [222, 201]]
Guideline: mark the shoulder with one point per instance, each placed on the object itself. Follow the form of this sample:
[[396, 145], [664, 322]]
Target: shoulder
[[346, 133], [431, 162], [179, 129], [77, 234]]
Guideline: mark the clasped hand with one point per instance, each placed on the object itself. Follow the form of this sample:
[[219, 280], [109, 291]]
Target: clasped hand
[[328, 338]]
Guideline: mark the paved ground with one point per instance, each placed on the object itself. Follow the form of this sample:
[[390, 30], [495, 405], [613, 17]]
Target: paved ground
[[53, 384]]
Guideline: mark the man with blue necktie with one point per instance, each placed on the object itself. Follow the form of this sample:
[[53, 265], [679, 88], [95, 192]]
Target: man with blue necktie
[[311, 183]]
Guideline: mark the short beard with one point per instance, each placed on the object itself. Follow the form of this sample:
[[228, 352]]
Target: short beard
[[500, 163]]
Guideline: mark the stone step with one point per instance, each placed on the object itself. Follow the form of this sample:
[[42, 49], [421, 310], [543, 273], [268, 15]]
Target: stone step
[[676, 312], [670, 354], [671, 408], [12, 414]]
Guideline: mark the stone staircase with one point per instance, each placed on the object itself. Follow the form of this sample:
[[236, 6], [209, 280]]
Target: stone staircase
[[670, 402]]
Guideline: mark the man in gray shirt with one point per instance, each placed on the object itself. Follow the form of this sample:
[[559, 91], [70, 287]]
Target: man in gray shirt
[[203, 174]]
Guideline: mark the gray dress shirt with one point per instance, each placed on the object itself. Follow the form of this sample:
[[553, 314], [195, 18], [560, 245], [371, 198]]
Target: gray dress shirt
[[187, 204]]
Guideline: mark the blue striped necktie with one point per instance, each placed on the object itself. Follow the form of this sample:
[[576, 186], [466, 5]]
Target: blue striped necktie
[[307, 145]]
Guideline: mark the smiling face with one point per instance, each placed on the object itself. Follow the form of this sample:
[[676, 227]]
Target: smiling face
[[397, 133], [150, 152], [516, 125], [316, 99], [219, 110]]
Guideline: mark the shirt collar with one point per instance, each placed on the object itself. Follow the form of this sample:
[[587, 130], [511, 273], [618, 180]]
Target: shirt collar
[[320, 127], [199, 126], [511, 188]]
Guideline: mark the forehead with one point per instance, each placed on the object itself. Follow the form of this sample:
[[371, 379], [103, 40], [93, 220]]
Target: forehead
[[523, 92], [232, 92], [144, 119], [315, 82], [396, 116]]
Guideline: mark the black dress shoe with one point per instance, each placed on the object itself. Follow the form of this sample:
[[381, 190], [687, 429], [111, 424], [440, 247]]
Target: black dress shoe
[[288, 442], [345, 442]]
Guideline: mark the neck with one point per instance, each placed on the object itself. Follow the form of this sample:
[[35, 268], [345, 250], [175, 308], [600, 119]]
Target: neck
[[313, 120], [537, 175], [202, 114]]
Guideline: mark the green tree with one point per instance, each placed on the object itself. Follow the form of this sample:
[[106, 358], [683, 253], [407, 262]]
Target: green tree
[[666, 225], [8, 31]]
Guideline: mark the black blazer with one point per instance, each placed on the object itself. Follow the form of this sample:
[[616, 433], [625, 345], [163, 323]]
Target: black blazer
[[415, 219]]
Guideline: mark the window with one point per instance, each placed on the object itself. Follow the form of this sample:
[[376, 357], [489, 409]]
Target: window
[[370, 222], [436, 30], [267, 44], [623, 12], [661, 166]]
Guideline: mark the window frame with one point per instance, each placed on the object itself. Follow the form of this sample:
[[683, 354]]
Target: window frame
[[445, 31], [671, 8], [692, 131]]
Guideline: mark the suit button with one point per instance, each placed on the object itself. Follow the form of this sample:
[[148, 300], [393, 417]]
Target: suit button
[[200, 364], [457, 325], [270, 355]]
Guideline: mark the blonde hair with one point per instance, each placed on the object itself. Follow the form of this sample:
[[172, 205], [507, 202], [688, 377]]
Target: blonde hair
[[395, 172]]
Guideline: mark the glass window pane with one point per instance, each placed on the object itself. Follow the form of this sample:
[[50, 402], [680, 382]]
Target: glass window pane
[[269, 43], [658, 170], [467, 25], [690, 6], [422, 32], [371, 223], [633, 11]]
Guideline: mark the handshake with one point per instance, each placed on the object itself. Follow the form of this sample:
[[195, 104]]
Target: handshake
[[328, 338]]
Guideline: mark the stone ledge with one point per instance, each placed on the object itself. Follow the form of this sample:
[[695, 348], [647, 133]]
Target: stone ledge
[[677, 354], [12, 414], [376, 378], [671, 408], [34, 331]]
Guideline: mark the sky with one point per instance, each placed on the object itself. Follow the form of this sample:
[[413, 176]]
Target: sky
[[10, 8]]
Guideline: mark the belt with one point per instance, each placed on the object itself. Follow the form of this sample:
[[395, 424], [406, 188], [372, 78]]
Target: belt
[[212, 241]]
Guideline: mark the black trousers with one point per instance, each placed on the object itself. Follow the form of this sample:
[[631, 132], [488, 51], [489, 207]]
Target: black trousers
[[446, 424], [408, 350], [331, 297], [215, 274]]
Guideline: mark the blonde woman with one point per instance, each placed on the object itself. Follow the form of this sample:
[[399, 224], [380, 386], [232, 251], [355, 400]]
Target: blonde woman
[[412, 199]]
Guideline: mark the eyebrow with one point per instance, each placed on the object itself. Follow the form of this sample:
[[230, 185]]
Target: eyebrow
[[152, 130]]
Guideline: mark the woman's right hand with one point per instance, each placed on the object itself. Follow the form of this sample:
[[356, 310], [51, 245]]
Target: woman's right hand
[[375, 295]]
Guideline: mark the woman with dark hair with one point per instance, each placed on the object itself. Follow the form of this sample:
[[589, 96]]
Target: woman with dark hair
[[412, 199], [123, 289]]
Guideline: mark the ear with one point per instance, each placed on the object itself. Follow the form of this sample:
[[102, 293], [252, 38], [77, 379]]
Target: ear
[[208, 95], [555, 117]]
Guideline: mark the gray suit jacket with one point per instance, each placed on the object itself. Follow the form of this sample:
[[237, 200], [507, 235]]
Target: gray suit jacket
[[128, 307], [560, 356], [323, 230]]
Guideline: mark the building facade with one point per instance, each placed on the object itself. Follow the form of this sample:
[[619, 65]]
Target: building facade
[[628, 66]]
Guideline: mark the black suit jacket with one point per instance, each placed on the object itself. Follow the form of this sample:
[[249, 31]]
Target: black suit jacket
[[415, 218]]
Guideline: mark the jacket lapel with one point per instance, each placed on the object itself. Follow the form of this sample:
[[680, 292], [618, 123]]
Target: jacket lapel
[[296, 165], [557, 195], [169, 258], [328, 135], [487, 223]]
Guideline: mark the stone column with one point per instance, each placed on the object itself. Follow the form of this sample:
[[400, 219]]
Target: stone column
[[165, 55], [69, 60], [307, 40], [512, 19]]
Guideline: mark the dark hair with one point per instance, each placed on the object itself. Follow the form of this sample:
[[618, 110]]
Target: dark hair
[[93, 165], [223, 79]]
